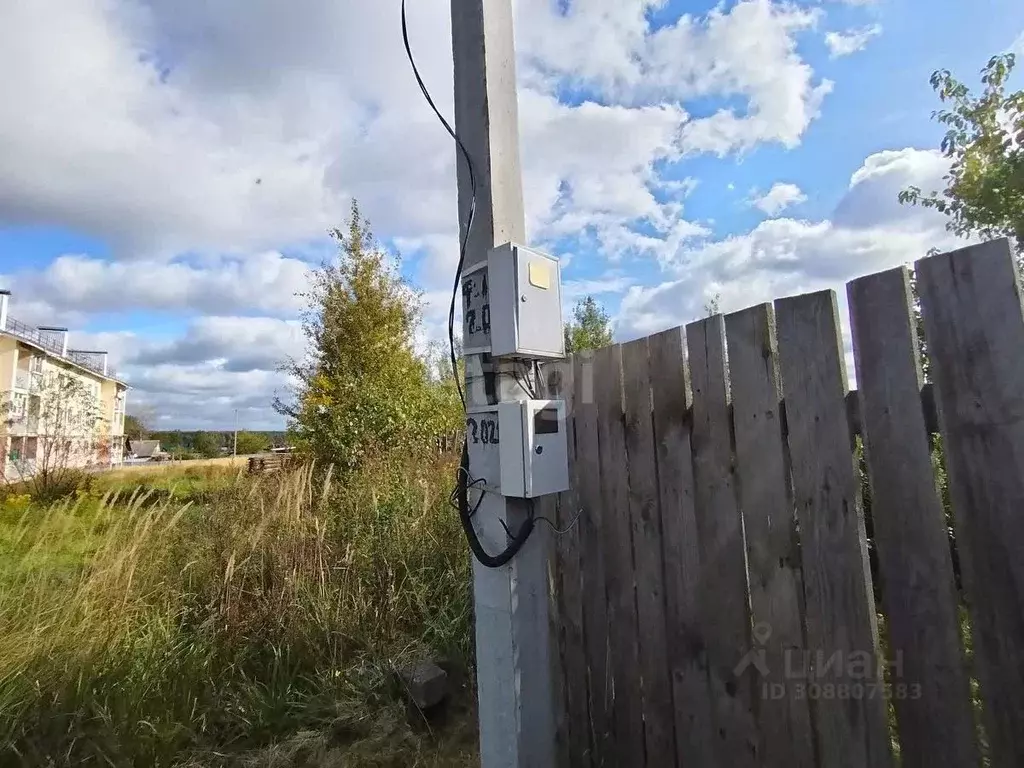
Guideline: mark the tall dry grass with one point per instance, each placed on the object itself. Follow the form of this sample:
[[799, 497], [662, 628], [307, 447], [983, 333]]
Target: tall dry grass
[[203, 630]]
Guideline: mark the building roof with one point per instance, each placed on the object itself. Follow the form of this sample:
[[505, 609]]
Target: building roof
[[27, 334], [145, 449]]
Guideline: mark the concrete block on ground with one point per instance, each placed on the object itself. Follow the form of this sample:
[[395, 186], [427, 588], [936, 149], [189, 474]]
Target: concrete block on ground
[[426, 683]]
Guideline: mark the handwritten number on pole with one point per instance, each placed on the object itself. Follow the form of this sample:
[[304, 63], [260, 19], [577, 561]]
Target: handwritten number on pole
[[475, 325], [484, 431]]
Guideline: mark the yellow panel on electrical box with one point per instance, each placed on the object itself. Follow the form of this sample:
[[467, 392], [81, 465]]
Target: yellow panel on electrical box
[[540, 275]]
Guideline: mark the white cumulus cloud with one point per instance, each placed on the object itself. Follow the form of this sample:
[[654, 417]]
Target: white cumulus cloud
[[198, 379], [853, 40], [166, 127], [748, 50], [777, 199], [261, 282], [868, 231], [205, 154]]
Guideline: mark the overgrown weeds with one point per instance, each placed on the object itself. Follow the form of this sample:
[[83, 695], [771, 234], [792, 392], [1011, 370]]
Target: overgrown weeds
[[151, 627]]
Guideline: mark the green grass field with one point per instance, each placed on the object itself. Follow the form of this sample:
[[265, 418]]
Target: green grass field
[[201, 617]]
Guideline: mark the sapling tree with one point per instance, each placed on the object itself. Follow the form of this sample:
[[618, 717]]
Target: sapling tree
[[63, 434], [361, 390], [984, 140], [589, 327]]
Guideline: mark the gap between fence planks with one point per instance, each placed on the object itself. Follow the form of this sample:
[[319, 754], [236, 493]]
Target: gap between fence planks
[[773, 557], [936, 723], [974, 325]]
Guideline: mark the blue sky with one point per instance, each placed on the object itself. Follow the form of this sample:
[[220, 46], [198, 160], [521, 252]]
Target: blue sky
[[167, 173]]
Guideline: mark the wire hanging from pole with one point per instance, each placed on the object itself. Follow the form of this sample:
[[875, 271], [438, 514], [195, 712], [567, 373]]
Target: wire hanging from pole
[[464, 482]]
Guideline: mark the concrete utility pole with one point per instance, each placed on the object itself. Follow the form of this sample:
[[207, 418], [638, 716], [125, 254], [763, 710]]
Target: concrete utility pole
[[234, 451], [512, 638]]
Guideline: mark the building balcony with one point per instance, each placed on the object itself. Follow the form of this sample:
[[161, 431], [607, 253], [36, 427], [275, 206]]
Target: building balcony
[[36, 336], [20, 469], [27, 381], [23, 426]]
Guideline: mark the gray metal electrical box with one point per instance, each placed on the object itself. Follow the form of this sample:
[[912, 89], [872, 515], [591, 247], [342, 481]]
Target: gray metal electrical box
[[520, 448], [519, 305]]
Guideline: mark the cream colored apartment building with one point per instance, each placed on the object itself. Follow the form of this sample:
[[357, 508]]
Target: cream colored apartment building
[[40, 422]]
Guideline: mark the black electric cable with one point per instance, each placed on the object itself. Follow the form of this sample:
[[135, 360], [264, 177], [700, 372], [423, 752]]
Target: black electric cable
[[558, 531], [523, 380], [472, 204], [464, 478], [516, 542], [523, 385], [463, 483]]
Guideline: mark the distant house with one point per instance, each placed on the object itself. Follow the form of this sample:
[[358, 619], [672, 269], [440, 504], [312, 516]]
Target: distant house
[[145, 449], [35, 365]]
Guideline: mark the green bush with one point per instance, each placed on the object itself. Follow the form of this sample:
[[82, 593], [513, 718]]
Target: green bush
[[52, 485], [251, 442], [206, 444]]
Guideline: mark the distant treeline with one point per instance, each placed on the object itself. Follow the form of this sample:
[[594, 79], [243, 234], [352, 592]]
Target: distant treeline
[[207, 443]]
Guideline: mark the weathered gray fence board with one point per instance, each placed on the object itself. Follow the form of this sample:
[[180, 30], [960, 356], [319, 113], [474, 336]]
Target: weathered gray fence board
[[645, 521], [556, 626], [975, 331], [595, 615], [556, 617], [687, 659], [773, 556], [723, 578], [840, 615], [618, 557], [936, 723], [560, 384]]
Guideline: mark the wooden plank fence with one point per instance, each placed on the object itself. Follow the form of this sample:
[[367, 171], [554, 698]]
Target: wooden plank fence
[[715, 604], [270, 462]]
